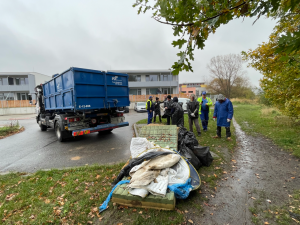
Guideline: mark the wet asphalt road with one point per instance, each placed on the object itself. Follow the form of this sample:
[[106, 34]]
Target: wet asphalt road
[[33, 150]]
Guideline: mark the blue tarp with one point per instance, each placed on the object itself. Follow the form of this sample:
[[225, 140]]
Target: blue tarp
[[182, 191], [104, 204]]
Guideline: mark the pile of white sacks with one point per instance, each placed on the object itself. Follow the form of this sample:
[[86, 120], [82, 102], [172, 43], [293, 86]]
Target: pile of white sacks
[[154, 175]]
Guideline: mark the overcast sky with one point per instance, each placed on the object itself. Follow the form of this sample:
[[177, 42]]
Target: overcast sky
[[51, 36]]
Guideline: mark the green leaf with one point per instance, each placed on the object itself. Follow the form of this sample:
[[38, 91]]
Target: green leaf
[[179, 43]]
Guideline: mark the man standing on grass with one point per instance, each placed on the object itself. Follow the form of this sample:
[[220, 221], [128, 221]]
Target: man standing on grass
[[157, 110], [204, 104], [193, 110], [149, 107], [168, 108], [224, 113]]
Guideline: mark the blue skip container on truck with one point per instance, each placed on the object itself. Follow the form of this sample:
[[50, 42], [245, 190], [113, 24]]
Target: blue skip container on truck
[[82, 101]]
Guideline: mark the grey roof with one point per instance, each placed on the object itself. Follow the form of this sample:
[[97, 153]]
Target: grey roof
[[22, 73], [164, 71]]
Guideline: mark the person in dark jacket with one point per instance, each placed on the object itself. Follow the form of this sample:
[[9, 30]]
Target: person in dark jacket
[[157, 110], [177, 113], [193, 112], [149, 107], [168, 109], [223, 113]]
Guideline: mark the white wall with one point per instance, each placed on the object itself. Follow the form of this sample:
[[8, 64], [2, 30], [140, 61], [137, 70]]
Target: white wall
[[41, 78], [21, 110]]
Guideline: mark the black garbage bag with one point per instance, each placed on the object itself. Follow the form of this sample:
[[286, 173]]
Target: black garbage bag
[[203, 154], [190, 140], [181, 134], [188, 153], [136, 161]]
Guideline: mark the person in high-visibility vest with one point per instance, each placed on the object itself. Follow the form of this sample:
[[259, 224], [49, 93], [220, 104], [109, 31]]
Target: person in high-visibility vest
[[204, 104], [149, 108]]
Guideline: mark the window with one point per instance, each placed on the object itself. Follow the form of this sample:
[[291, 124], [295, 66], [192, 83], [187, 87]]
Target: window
[[10, 81], [135, 91], [134, 78], [22, 96], [26, 80], [22, 81], [183, 92], [152, 78], [6, 96], [1, 81], [140, 104], [191, 92], [167, 91], [152, 91], [17, 81]]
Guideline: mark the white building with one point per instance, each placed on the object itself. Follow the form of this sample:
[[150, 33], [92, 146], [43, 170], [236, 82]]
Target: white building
[[17, 85], [148, 82]]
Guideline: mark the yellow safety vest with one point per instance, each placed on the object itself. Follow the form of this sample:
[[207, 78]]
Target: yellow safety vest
[[149, 104], [209, 103]]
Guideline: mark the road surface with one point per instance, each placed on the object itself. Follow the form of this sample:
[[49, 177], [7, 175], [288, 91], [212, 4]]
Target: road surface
[[33, 150]]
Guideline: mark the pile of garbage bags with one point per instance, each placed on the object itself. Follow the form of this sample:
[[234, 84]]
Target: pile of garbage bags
[[154, 170], [188, 147]]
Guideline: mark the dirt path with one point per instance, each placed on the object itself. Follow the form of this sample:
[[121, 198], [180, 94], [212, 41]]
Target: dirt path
[[260, 170]]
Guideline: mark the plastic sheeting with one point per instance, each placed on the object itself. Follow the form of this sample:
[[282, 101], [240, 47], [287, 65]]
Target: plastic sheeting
[[104, 204], [138, 145], [182, 191]]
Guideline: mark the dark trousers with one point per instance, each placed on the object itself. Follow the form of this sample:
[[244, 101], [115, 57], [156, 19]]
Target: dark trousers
[[204, 118], [169, 120], [228, 133], [157, 114], [150, 115]]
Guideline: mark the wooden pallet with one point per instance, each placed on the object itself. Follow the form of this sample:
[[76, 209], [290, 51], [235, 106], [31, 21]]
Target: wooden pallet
[[121, 196]]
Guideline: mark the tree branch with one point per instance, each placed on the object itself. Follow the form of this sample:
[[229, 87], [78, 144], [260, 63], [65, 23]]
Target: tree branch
[[210, 18]]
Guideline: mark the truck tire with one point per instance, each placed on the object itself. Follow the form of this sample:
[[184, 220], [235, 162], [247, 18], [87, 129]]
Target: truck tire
[[61, 135], [42, 127]]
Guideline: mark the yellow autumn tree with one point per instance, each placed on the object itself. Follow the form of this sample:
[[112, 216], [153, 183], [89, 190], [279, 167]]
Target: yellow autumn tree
[[280, 69]]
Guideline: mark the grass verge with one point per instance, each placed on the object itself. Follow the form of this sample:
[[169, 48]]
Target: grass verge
[[10, 129], [258, 119]]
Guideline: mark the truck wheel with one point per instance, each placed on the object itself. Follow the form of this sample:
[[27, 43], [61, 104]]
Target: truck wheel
[[59, 134], [42, 127]]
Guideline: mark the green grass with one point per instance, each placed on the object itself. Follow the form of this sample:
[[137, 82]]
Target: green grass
[[9, 129], [257, 119]]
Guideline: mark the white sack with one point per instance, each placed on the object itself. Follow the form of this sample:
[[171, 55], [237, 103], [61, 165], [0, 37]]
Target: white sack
[[139, 192]]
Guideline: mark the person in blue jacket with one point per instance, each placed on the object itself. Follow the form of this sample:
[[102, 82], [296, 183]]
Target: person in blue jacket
[[224, 113]]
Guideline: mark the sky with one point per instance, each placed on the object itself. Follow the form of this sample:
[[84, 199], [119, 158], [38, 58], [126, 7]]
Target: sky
[[51, 36]]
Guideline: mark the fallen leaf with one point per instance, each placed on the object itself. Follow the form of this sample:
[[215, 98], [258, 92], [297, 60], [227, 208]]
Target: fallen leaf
[[266, 223], [253, 198], [32, 217], [191, 221], [90, 222], [140, 212], [293, 177], [186, 211], [212, 214], [134, 210], [47, 201], [98, 176]]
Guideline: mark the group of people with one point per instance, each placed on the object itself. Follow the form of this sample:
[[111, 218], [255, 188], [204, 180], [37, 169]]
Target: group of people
[[200, 107], [172, 108]]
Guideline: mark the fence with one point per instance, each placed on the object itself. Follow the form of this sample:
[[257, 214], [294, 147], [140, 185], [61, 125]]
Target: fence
[[16, 103]]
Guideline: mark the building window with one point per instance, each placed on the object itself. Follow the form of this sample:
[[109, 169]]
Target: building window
[[1, 81], [167, 91], [6, 96], [10, 81], [183, 92], [25, 80], [152, 91], [152, 78], [191, 92], [22, 96], [134, 78], [17, 81], [135, 91]]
